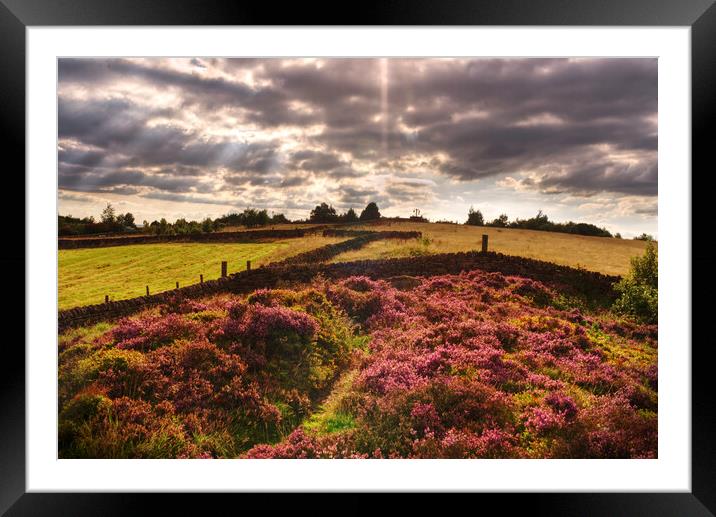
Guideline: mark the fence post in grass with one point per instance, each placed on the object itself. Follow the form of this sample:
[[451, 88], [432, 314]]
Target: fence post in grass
[[177, 285], [223, 269], [147, 290], [106, 298], [201, 279], [484, 243], [248, 265]]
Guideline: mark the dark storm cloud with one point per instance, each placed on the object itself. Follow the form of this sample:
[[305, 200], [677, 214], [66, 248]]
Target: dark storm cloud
[[182, 198], [403, 191], [316, 161], [269, 106], [68, 196], [101, 181], [357, 196], [105, 70], [118, 140], [651, 211], [575, 126], [286, 180], [321, 163], [636, 179]]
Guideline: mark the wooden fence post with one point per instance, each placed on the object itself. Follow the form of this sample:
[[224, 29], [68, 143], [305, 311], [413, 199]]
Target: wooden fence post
[[106, 298], [177, 285], [223, 269], [484, 243], [147, 290], [201, 279], [248, 265]]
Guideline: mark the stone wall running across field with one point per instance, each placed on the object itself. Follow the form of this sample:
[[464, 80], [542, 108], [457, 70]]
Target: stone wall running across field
[[217, 237], [340, 232], [331, 250], [567, 280]]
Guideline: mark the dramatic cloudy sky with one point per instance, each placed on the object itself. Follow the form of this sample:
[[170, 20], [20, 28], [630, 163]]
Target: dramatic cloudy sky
[[576, 138]]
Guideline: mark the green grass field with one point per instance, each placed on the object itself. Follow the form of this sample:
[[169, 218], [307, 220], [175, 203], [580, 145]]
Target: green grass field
[[85, 276]]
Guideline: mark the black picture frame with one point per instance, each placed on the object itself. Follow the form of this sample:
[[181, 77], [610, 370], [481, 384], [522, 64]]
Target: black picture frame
[[700, 15]]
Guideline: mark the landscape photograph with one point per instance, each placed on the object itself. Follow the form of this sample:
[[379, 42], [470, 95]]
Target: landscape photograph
[[363, 258]]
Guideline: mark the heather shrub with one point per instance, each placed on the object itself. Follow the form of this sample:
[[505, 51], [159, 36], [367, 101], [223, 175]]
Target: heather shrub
[[272, 297], [536, 292], [82, 335], [124, 428], [151, 332], [203, 379], [475, 365], [178, 304], [77, 374]]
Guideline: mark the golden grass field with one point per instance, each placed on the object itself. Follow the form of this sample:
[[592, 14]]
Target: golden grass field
[[86, 275], [602, 254]]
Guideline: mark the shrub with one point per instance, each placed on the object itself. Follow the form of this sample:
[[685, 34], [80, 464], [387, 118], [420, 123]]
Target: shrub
[[639, 288]]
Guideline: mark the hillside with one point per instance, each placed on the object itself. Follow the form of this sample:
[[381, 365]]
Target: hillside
[[601, 254]]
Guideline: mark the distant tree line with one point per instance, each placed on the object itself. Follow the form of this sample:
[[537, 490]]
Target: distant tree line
[[109, 222], [325, 213], [251, 218], [539, 222]]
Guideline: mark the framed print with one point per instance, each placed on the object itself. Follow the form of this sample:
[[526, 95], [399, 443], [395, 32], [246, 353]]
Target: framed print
[[417, 253]]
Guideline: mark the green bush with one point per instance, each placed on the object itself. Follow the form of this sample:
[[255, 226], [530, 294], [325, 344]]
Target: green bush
[[639, 289]]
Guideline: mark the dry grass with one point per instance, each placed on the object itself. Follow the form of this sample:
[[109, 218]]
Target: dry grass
[[610, 256], [286, 226], [86, 275]]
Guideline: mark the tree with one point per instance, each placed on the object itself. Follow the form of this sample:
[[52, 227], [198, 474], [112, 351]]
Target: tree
[[279, 219], [108, 214], [164, 227], [207, 225], [126, 220], [474, 218], [350, 216], [253, 217], [323, 213], [370, 212], [500, 222]]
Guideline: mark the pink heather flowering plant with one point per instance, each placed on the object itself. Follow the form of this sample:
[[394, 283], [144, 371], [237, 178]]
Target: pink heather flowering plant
[[476, 365]]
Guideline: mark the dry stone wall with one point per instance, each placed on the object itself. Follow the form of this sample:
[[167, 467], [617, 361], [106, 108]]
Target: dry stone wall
[[218, 237], [331, 250]]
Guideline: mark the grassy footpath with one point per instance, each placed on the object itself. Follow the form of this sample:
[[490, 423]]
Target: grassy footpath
[[85, 276], [602, 254]]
